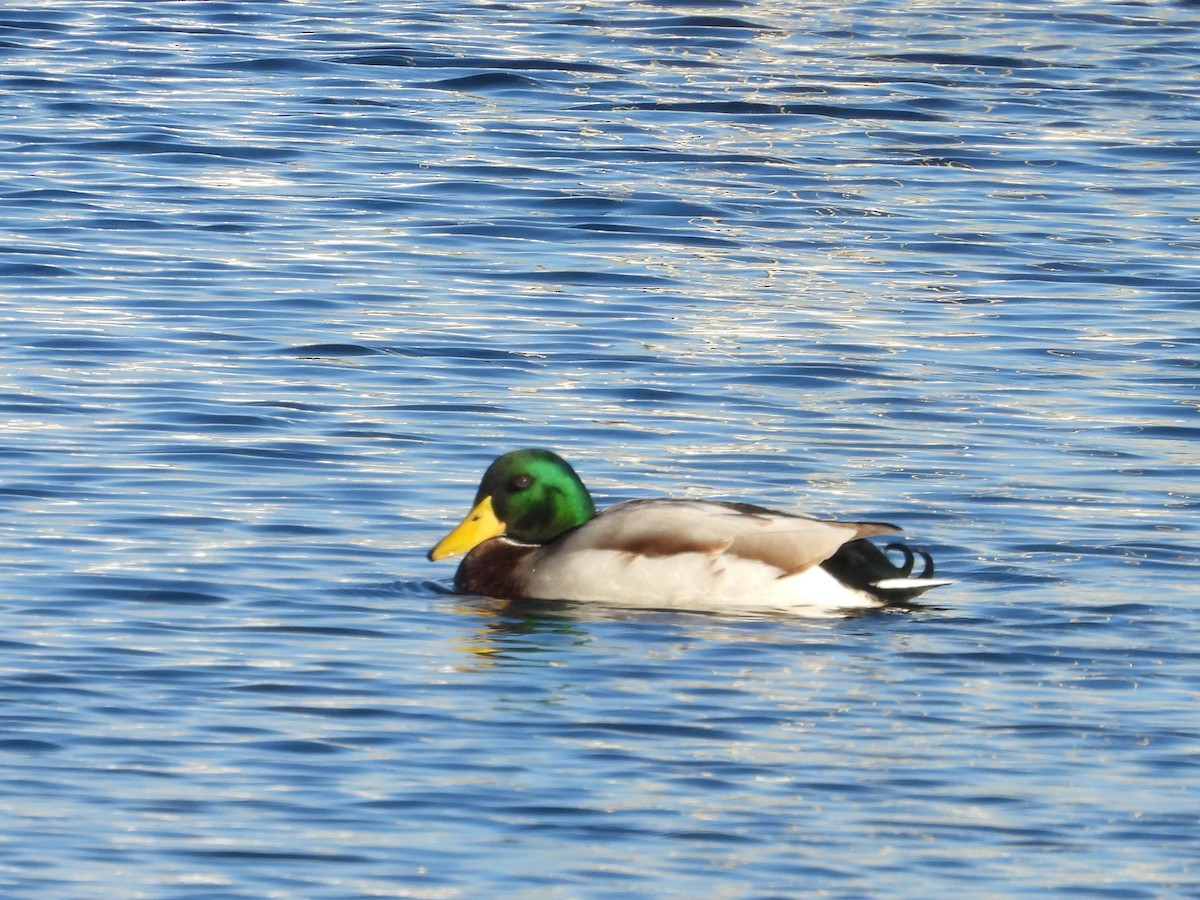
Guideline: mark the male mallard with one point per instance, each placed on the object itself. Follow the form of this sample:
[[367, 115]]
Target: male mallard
[[534, 533]]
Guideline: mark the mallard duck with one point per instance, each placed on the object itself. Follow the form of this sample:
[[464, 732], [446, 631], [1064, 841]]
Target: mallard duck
[[534, 533]]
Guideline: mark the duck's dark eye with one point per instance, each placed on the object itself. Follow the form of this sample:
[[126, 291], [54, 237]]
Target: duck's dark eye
[[521, 482]]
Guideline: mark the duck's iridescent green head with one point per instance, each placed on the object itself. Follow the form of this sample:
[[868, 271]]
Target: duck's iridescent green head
[[532, 496]]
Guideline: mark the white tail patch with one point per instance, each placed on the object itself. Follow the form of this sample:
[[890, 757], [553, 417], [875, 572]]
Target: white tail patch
[[899, 584]]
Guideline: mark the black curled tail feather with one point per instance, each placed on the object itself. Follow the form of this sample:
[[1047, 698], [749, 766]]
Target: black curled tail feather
[[910, 558], [860, 564]]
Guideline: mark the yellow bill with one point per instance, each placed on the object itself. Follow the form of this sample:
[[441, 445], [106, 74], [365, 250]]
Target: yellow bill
[[479, 525]]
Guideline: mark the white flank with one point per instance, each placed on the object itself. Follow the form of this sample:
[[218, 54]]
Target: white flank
[[698, 581]]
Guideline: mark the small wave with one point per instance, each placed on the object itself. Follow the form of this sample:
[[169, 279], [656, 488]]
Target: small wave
[[494, 81]]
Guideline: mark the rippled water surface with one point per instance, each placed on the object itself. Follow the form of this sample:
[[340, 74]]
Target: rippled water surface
[[279, 279]]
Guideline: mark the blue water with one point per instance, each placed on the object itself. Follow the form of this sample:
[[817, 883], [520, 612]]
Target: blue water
[[279, 279]]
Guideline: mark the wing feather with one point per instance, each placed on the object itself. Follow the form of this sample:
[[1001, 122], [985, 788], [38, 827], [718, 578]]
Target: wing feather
[[789, 543]]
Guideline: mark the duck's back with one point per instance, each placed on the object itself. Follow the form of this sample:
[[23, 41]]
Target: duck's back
[[700, 555]]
